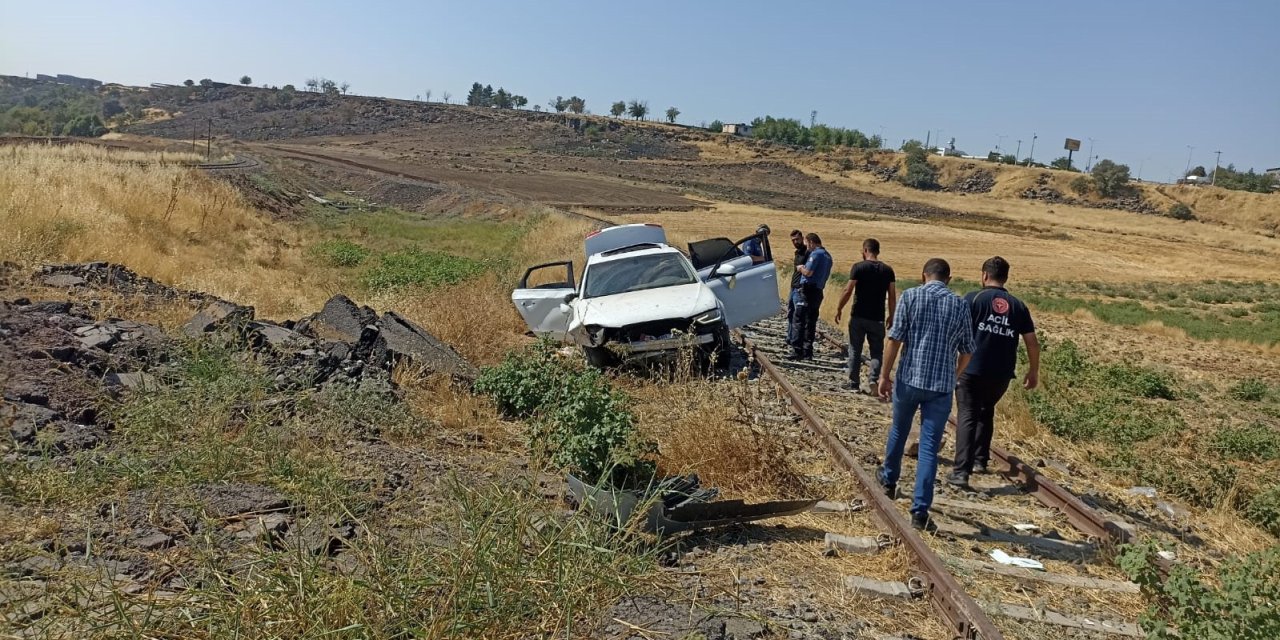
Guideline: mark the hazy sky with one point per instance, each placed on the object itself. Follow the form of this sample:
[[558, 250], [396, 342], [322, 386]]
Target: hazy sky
[[1145, 79]]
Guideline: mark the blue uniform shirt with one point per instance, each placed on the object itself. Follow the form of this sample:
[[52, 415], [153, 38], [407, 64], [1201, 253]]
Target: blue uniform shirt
[[752, 247], [819, 263]]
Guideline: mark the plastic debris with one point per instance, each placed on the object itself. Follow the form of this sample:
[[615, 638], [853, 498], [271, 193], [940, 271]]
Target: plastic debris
[[1023, 527], [1025, 563], [1146, 492]]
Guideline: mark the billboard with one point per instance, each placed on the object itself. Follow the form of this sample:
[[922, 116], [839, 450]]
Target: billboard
[[1072, 145]]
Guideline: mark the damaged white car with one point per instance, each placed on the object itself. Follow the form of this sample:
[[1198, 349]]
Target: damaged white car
[[640, 298]]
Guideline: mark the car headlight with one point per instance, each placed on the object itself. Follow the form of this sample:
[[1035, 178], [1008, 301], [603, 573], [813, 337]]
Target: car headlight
[[711, 317]]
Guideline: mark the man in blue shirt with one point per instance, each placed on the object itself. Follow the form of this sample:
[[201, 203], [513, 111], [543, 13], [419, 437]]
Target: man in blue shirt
[[931, 326], [754, 247], [813, 279]]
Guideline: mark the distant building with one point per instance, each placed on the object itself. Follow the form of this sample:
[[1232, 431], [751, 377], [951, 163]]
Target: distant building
[[1274, 173], [62, 78], [737, 129]]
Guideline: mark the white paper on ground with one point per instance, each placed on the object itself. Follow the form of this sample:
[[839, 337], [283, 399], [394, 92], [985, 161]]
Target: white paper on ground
[[1025, 563], [1025, 527]]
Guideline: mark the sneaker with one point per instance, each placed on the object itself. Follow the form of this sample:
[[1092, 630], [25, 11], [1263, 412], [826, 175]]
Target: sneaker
[[890, 490], [808, 354], [958, 479], [796, 354], [980, 467], [852, 386], [922, 522]]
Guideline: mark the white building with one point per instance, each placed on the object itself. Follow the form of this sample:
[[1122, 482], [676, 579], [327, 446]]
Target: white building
[[737, 129]]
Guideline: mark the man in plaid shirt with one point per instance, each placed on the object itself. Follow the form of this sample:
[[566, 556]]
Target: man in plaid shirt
[[932, 329]]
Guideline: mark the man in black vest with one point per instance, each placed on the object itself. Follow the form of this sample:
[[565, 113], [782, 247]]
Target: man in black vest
[[999, 320], [793, 318]]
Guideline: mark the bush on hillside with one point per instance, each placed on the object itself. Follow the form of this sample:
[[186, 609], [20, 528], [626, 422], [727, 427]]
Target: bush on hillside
[[1082, 185], [1110, 177], [1181, 211]]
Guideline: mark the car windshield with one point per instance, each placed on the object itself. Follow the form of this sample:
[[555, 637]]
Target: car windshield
[[634, 274]]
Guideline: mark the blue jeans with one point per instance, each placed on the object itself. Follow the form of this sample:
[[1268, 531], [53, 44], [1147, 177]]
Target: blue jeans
[[795, 313], [935, 408]]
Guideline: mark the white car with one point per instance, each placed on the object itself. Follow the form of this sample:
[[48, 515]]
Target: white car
[[640, 298]]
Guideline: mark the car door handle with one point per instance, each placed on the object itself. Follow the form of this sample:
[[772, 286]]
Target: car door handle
[[768, 276], [528, 303]]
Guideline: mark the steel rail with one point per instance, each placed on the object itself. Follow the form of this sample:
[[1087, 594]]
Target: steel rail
[[1046, 491], [966, 619]]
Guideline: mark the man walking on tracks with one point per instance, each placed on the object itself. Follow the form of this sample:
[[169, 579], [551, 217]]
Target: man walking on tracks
[[870, 281], [793, 299], [813, 279], [930, 327], [998, 320]]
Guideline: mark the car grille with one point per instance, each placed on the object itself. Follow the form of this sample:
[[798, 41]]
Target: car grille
[[653, 329]]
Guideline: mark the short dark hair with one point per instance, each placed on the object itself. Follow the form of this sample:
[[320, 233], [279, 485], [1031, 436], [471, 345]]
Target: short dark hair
[[938, 268], [872, 245], [996, 268], [796, 232], [813, 237]]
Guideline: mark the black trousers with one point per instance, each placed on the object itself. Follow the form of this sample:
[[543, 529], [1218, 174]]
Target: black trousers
[[976, 397], [869, 331], [812, 297]]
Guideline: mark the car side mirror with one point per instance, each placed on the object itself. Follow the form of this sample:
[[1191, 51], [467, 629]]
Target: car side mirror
[[570, 297], [726, 270]]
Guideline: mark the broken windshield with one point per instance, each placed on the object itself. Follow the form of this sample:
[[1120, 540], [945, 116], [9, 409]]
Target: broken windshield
[[634, 274]]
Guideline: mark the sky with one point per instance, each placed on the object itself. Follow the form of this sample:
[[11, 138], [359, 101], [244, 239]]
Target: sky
[[1153, 83]]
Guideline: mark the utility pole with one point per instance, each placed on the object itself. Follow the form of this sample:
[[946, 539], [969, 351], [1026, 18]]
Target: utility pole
[[881, 136], [1089, 163], [1217, 160], [1190, 150], [926, 139], [1032, 156], [813, 118], [999, 141], [208, 145], [1018, 154], [195, 130]]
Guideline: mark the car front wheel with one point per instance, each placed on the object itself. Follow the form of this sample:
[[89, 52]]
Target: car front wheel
[[600, 357]]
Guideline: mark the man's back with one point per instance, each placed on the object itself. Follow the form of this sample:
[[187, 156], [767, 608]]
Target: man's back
[[873, 279], [934, 324], [998, 320]]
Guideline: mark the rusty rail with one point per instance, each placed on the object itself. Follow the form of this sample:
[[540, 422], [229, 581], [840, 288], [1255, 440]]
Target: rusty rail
[[966, 619], [1046, 491]]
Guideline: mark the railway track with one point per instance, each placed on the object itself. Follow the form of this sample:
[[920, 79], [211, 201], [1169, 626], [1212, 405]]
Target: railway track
[[240, 163], [1016, 510]]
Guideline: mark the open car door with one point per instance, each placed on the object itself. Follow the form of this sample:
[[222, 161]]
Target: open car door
[[541, 298], [748, 292]]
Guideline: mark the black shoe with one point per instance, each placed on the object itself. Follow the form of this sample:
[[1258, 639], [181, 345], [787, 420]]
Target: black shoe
[[852, 386], [808, 354], [959, 479], [921, 522], [890, 490], [980, 467], [796, 354]]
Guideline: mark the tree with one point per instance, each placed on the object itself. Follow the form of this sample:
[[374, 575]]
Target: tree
[[1198, 172], [344, 87], [206, 83], [446, 96], [475, 97], [312, 84], [329, 87], [537, 107], [716, 126], [189, 82], [288, 88], [502, 99], [558, 103], [618, 108], [1110, 178], [576, 104], [1008, 158], [1063, 163], [638, 109], [672, 114], [428, 95], [519, 101], [246, 80]]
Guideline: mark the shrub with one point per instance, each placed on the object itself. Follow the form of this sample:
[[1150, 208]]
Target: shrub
[[1255, 441], [1236, 604], [716, 126], [423, 268], [1139, 381], [1081, 185], [920, 175], [1181, 211], [340, 253], [1110, 178], [1264, 511], [577, 419], [1250, 390]]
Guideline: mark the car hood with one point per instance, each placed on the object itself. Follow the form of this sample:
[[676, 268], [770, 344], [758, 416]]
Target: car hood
[[620, 310]]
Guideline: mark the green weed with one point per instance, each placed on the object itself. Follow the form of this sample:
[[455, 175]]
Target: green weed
[[340, 253], [1264, 509], [1250, 390], [415, 267], [1256, 441], [1238, 603]]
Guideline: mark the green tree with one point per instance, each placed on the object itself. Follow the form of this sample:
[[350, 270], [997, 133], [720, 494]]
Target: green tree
[[189, 82], [246, 80], [638, 109], [1198, 172], [1009, 158], [558, 103], [502, 99], [716, 126], [206, 83], [1110, 178], [672, 114], [576, 104], [519, 101], [1062, 163], [618, 108], [475, 97]]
